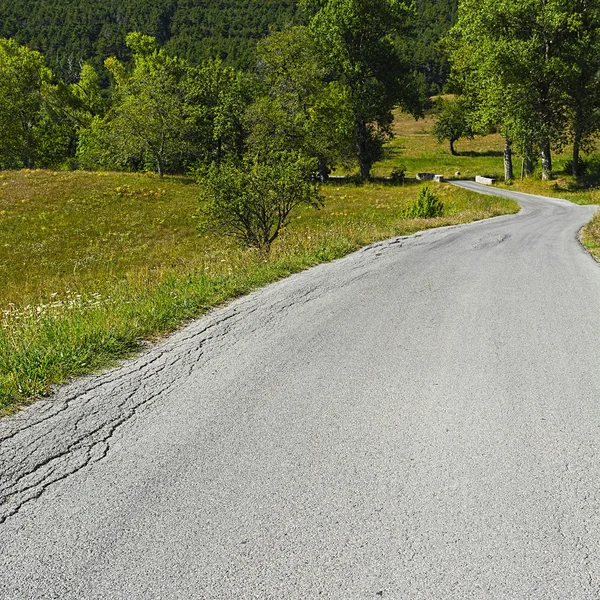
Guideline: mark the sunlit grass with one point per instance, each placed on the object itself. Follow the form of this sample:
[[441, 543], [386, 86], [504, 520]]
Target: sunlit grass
[[93, 263]]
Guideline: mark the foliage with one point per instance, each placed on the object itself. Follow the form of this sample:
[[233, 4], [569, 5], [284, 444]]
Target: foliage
[[299, 109], [355, 41], [254, 202], [453, 123], [398, 174], [71, 32], [216, 97], [427, 206], [423, 47], [530, 66], [24, 88], [582, 51], [146, 125]]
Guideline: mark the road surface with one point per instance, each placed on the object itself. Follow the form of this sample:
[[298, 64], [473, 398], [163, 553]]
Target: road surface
[[419, 420]]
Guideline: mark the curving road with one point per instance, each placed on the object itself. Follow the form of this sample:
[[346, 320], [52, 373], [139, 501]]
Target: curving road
[[419, 420]]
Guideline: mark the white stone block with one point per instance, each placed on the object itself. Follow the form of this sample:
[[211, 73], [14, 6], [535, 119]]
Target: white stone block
[[485, 180]]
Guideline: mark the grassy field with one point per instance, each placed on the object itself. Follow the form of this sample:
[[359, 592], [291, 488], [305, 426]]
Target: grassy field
[[415, 147], [93, 263]]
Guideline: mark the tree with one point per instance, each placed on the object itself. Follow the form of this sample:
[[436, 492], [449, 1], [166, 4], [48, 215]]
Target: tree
[[216, 99], [582, 48], [147, 123], [453, 123], [354, 39], [253, 201], [513, 61], [24, 83], [87, 99], [298, 109]]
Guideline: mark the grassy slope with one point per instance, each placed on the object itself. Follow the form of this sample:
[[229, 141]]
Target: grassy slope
[[92, 263]]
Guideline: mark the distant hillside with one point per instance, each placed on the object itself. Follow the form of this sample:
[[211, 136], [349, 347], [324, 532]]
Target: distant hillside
[[435, 19], [69, 32]]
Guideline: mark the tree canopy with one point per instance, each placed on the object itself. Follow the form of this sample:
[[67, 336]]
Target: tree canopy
[[530, 67]]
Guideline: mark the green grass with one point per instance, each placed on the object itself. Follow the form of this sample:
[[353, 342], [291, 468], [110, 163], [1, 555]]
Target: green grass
[[415, 147], [94, 263]]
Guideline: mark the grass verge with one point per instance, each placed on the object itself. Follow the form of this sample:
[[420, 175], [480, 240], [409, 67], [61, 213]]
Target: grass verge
[[91, 264]]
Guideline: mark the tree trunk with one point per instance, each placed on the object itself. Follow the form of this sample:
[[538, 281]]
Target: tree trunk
[[323, 170], [159, 166], [528, 161], [452, 150], [508, 164], [576, 149], [362, 147], [546, 160]]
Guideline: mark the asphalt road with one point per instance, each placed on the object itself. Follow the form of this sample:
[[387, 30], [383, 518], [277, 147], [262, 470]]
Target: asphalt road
[[419, 420]]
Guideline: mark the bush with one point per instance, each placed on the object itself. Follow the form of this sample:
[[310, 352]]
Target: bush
[[398, 174], [427, 206], [253, 202]]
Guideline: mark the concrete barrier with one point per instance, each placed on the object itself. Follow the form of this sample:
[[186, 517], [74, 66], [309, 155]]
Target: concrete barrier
[[485, 180]]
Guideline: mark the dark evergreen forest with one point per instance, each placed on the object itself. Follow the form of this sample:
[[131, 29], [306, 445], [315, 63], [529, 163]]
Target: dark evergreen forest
[[69, 32]]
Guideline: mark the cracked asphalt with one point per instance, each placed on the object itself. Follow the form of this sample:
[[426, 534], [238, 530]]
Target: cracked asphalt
[[419, 420]]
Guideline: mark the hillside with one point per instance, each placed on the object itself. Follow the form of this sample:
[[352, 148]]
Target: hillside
[[69, 32]]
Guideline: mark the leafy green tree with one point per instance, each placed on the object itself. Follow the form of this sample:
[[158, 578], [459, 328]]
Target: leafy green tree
[[453, 123], [147, 123], [354, 39], [253, 201], [86, 92], [216, 98], [299, 109], [582, 53], [514, 61], [24, 84]]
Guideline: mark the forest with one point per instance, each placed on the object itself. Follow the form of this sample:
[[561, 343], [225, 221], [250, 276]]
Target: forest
[[177, 86], [71, 32]]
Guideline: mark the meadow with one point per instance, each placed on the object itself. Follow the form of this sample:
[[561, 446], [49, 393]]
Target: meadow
[[93, 264]]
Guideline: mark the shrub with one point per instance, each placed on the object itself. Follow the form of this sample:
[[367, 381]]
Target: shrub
[[427, 206], [254, 201], [398, 174]]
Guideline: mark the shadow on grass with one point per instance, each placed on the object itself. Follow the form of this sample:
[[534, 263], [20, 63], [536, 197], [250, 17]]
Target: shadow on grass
[[474, 154], [338, 180]]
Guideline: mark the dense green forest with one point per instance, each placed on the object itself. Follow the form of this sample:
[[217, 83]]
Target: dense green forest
[[183, 86], [70, 32]]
